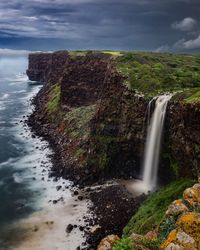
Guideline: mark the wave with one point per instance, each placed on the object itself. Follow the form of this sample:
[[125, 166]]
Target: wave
[[17, 178], [19, 91], [2, 101], [4, 96]]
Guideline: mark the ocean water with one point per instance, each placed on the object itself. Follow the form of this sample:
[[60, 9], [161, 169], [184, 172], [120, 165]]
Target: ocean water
[[25, 189], [16, 155]]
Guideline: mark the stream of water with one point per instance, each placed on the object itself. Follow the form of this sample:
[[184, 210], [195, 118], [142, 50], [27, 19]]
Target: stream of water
[[153, 142]]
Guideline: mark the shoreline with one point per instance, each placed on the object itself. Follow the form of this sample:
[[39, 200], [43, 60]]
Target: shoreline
[[115, 199]]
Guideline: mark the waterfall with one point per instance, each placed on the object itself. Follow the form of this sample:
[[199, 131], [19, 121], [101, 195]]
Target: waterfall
[[153, 143]]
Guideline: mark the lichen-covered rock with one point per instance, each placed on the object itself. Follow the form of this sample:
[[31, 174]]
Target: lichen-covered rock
[[151, 235], [136, 237], [173, 246], [187, 234], [108, 242], [176, 207], [190, 223], [178, 239], [192, 196]]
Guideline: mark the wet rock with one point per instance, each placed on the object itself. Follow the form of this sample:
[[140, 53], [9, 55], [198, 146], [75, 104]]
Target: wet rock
[[80, 198], [69, 228], [58, 187], [76, 192], [81, 228]]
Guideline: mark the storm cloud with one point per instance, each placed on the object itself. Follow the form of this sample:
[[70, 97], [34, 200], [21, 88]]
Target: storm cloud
[[100, 24]]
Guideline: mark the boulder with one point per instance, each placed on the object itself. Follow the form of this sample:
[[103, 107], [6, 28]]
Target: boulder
[[187, 234], [176, 207], [108, 242], [192, 196]]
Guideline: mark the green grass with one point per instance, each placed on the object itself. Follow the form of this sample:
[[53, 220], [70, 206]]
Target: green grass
[[155, 73], [78, 121], [54, 99], [113, 53], [124, 244], [193, 98], [151, 212]]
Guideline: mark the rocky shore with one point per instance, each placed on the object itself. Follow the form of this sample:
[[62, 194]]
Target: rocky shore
[[110, 200]]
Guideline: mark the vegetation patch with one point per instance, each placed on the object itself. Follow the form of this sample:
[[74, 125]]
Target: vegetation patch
[[124, 244], [53, 103], [155, 73], [77, 121], [151, 213]]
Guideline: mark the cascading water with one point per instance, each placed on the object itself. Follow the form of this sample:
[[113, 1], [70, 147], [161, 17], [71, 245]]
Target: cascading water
[[153, 143]]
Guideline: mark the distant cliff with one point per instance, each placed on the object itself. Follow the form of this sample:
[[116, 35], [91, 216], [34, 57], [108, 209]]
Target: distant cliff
[[97, 124]]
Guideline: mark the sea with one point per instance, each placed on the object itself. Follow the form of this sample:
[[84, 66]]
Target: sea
[[28, 217]]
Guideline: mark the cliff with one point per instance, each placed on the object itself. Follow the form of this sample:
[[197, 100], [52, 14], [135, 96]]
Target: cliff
[[91, 110]]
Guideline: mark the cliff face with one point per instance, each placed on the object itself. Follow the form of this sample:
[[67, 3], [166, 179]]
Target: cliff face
[[184, 137], [99, 124]]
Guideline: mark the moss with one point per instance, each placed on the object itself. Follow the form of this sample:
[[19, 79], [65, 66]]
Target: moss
[[166, 227], [54, 99], [152, 244], [124, 244], [151, 212], [174, 164], [77, 121], [102, 157], [79, 153]]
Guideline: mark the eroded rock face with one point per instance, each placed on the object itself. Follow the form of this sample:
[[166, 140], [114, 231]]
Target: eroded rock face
[[184, 137], [38, 63], [83, 79], [48, 67]]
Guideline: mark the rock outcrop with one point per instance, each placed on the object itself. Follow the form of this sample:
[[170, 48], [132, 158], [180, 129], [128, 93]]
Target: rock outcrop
[[186, 214]]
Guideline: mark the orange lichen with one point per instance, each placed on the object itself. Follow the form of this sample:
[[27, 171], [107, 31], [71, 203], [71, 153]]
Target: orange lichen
[[176, 207], [190, 223], [171, 238], [192, 196]]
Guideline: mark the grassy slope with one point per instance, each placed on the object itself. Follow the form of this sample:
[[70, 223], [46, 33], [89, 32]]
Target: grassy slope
[[151, 213]]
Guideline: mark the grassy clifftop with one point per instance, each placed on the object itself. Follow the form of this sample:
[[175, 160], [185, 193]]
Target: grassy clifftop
[[154, 73]]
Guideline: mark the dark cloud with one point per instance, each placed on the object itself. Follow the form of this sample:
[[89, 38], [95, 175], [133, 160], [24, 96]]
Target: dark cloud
[[99, 24]]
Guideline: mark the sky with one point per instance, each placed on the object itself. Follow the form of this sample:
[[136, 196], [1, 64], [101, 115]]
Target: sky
[[145, 25]]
